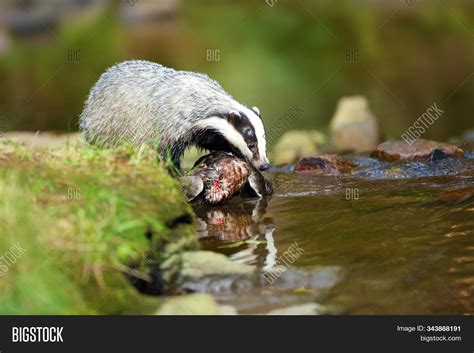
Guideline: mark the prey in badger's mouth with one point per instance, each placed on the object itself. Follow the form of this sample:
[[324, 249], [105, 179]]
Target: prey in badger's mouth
[[220, 175]]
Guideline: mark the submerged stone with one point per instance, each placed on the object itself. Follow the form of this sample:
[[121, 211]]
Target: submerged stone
[[419, 150], [325, 164], [199, 264]]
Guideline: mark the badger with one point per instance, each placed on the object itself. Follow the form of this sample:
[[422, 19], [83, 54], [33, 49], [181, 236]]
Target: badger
[[141, 102]]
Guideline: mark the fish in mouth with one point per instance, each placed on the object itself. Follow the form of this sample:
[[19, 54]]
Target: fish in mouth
[[218, 176]]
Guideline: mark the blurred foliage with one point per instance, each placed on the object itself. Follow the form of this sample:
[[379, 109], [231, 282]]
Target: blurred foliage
[[46, 84], [305, 53], [300, 52]]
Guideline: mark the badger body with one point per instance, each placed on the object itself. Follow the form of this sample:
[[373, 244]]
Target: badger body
[[141, 102]]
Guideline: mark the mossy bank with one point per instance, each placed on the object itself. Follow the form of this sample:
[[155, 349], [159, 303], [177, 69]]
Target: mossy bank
[[83, 221]]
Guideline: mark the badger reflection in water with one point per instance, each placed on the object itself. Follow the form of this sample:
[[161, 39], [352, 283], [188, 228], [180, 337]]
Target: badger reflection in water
[[240, 221]]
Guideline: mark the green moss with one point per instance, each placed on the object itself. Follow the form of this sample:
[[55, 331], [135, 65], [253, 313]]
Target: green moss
[[82, 215]]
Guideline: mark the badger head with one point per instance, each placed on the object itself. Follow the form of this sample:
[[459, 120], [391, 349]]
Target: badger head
[[238, 131]]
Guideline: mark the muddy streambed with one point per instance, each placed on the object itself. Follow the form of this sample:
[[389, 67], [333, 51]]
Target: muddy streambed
[[390, 238]]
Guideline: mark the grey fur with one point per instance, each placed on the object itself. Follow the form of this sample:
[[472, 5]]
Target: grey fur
[[141, 102]]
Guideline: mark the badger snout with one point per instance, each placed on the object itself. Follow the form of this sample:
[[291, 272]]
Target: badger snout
[[261, 163]]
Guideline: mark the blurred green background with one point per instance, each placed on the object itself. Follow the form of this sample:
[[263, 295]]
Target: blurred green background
[[402, 55]]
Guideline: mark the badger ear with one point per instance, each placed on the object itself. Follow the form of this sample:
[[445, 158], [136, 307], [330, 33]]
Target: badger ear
[[233, 116], [256, 110]]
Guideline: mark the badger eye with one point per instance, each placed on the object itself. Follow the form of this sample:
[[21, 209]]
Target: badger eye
[[248, 132]]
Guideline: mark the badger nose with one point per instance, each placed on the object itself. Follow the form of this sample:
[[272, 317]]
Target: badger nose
[[264, 166]]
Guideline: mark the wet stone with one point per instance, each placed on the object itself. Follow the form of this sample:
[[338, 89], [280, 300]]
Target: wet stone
[[194, 304], [325, 164], [301, 309], [419, 150], [295, 144], [324, 277], [354, 127], [468, 136]]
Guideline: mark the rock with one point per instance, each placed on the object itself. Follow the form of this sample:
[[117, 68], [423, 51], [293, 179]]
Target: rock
[[199, 264], [325, 164], [227, 310], [194, 304], [419, 150], [468, 136], [198, 271], [296, 144], [302, 309], [323, 277], [465, 141], [468, 141], [354, 127], [205, 271]]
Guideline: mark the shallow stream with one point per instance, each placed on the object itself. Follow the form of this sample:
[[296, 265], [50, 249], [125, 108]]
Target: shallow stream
[[391, 238]]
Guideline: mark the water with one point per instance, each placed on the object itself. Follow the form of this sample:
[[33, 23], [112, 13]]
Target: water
[[389, 239]]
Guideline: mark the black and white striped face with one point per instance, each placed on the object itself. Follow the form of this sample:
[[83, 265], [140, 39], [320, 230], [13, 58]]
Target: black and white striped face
[[244, 131], [249, 126]]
